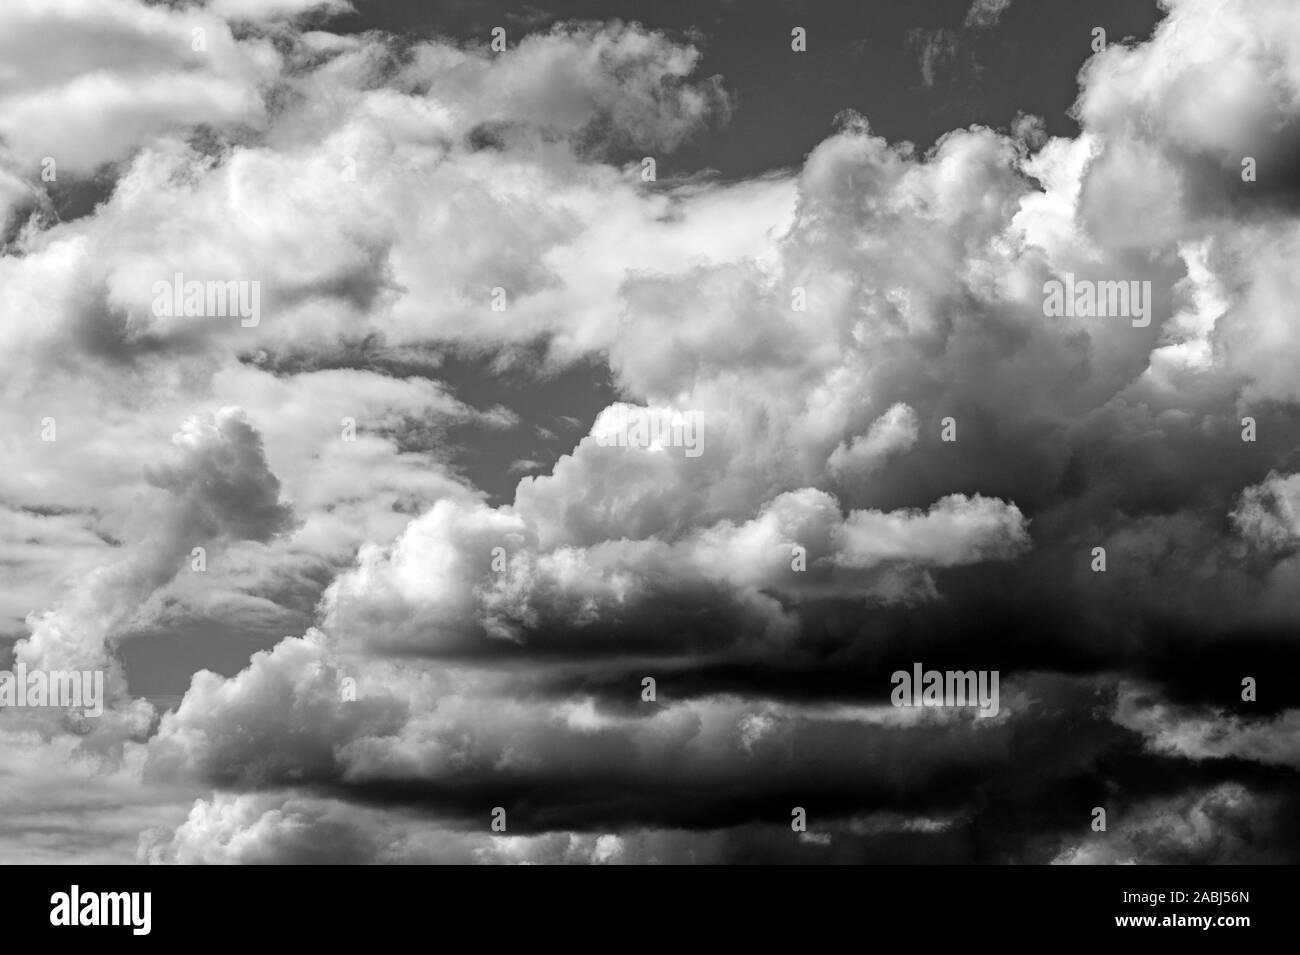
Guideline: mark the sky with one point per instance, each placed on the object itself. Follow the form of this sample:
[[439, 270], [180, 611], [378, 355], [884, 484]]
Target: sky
[[375, 571]]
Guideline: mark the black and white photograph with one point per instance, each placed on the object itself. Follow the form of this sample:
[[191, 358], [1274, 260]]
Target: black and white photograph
[[686, 433]]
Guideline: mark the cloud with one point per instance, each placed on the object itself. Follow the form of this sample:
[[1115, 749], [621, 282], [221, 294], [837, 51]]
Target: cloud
[[1205, 733], [88, 82], [984, 14], [891, 433], [263, 10], [444, 738], [268, 829], [1268, 514], [937, 49], [221, 484], [458, 576], [1225, 824], [217, 488], [618, 84]]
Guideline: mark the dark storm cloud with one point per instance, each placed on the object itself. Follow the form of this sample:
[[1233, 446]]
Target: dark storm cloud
[[1017, 790]]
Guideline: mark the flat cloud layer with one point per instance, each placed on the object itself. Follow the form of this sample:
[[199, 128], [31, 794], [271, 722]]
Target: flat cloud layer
[[903, 457]]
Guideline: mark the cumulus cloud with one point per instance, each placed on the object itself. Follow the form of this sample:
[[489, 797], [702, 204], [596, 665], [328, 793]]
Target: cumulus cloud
[[457, 573], [218, 488], [1268, 514], [88, 82], [264, 828]]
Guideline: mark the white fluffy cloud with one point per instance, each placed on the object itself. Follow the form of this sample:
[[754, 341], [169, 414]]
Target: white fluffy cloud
[[457, 572], [87, 82]]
